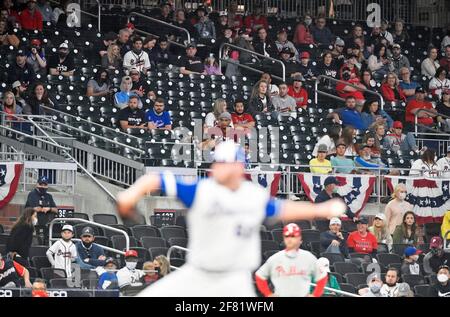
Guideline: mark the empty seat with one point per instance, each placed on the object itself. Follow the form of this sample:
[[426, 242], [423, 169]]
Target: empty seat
[[310, 235], [344, 268], [37, 250], [181, 242], [422, 290], [333, 257], [51, 273], [40, 262], [81, 215], [267, 245], [138, 220], [106, 219], [413, 279], [387, 258], [349, 288], [153, 242], [4, 238], [140, 231], [356, 279], [119, 242], [59, 283], [154, 252], [173, 232]]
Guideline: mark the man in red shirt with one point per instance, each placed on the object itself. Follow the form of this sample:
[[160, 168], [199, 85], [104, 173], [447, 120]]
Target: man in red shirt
[[299, 93], [362, 241], [424, 118], [445, 61], [241, 120], [31, 18]]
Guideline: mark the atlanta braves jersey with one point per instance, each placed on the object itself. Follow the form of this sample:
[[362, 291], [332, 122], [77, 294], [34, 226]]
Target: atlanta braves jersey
[[61, 255]]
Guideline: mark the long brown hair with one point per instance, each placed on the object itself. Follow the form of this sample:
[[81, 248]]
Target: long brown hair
[[405, 227], [25, 218]]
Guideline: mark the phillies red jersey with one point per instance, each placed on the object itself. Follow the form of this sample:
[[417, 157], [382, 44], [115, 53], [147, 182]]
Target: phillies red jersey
[[361, 244], [301, 97], [241, 118]]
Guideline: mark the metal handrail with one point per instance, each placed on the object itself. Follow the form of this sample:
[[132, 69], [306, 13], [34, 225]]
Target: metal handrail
[[127, 238], [416, 118], [317, 91], [337, 291], [283, 67], [169, 253], [163, 23]]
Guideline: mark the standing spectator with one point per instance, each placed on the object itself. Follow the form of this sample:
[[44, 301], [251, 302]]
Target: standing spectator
[[21, 237], [62, 64], [302, 35], [406, 84], [398, 59], [31, 18], [327, 66], [425, 118], [443, 107], [362, 241], [157, 118], [98, 86], [123, 40], [63, 252], [390, 287], [89, 255], [192, 64], [436, 257], [321, 33], [330, 140], [441, 289], [264, 46], [333, 241], [256, 20], [430, 64], [406, 232], [101, 47], [283, 42], [11, 272], [283, 103], [211, 66], [426, 165], [36, 57], [380, 230], [400, 34], [439, 83], [166, 12], [445, 227], [241, 119], [121, 97], [379, 63], [212, 118], [42, 202], [410, 265], [344, 90], [299, 93], [205, 27], [21, 71], [37, 100], [391, 90], [243, 40], [112, 60], [128, 277], [107, 278], [340, 163], [273, 89], [131, 117], [396, 208], [7, 37], [260, 101], [372, 113], [46, 10], [444, 163], [445, 61], [137, 58], [320, 165]]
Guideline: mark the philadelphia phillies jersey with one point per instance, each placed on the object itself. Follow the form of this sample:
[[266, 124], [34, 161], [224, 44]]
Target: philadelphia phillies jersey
[[291, 272]]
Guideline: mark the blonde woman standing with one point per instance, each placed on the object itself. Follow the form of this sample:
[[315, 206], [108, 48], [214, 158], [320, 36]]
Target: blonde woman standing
[[396, 208]]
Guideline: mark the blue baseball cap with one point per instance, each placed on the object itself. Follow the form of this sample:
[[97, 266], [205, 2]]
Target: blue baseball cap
[[331, 180], [229, 152], [43, 180], [411, 251]]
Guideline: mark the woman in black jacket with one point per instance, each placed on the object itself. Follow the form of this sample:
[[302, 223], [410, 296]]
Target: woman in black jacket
[[21, 237], [260, 101]]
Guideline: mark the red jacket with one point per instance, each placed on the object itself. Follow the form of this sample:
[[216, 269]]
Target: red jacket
[[389, 95], [31, 21], [303, 35]]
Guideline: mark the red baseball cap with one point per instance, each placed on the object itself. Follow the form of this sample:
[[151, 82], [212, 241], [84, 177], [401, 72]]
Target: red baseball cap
[[131, 253], [305, 55], [36, 42], [397, 125], [292, 230], [130, 26]]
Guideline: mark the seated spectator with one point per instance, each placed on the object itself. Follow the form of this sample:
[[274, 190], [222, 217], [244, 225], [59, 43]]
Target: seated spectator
[[406, 232], [265, 46], [368, 82], [149, 46], [9, 12], [163, 55], [442, 288], [380, 133], [443, 107], [63, 252], [36, 57], [321, 33], [21, 71], [426, 165], [123, 41], [340, 163], [400, 34], [260, 101], [11, 108], [333, 241], [7, 37], [292, 68], [283, 103], [166, 12], [445, 61], [204, 26], [241, 119], [345, 90], [102, 45], [11, 272], [372, 113], [357, 51], [398, 59], [132, 117], [62, 64], [437, 256], [39, 288], [140, 86], [243, 40], [362, 241], [380, 230], [439, 83], [157, 118], [151, 273], [330, 139], [385, 33], [31, 18], [375, 36], [430, 64], [223, 131], [407, 85], [107, 278], [375, 284], [299, 93], [191, 64], [128, 277], [444, 164], [330, 191], [374, 147], [99, 86], [320, 165], [410, 265], [256, 20], [137, 58], [365, 160], [212, 67], [112, 60], [273, 89], [425, 118], [302, 35], [37, 100], [391, 90], [351, 116], [327, 66], [162, 265], [398, 141], [212, 118], [332, 282], [121, 97], [338, 52], [306, 67], [89, 255], [283, 42], [391, 285], [378, 62]]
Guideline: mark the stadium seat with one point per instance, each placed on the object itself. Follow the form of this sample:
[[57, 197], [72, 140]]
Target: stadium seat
[[119, 242], [139, 220], [89, 284], [432, 279], [338, 277], [106, 219], [140, 231], [310, 235], [267, 245], [413, 279], [333, 258], [81, 215], [4, 238], [399, 249], [40, 262], [173, 232], [382, 248], [34, 273], [356, 279], [152, 242], [387, 258], [182, 242], [430, 230], [345, 267], [267, 254], [1, 229], [37, 250], [322, 225], [121, 227], [101, 240], [59, 283], [422, 290], [349, 288], [2, 248], [154, 252], [51, 273], [177, 262]]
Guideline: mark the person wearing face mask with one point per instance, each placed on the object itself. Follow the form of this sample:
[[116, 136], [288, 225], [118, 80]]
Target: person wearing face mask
[[396, 208], [107, 278], [441, 289], [90, 255], [21, 236], [128, 277], [410, 265], [62, 64], [99, 86], [63, 252], [436, 257], [42, 202], [375, 284], [291, 270]]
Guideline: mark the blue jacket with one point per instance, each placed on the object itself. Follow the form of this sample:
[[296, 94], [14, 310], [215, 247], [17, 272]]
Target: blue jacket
[[353, 118], [92, 254], [328, 236], [368, 119]]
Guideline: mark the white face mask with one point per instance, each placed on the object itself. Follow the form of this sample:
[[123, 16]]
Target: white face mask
[[442, 278], [402, 196], [308, 21], [34, 221], [415, 257], [131, 265]]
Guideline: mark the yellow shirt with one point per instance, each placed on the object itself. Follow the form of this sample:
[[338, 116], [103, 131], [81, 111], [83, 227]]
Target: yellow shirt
[[317, 167]]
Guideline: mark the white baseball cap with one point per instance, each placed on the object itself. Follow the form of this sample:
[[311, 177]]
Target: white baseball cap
[[67, 227], [380, 216], [64, 45], [323, 264], [335, 220], [229, 152]]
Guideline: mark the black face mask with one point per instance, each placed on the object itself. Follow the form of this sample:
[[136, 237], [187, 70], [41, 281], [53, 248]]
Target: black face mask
[[346, 76], [62, 54], [42, 191], [136, 51], [158, 271], [102, 80]]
